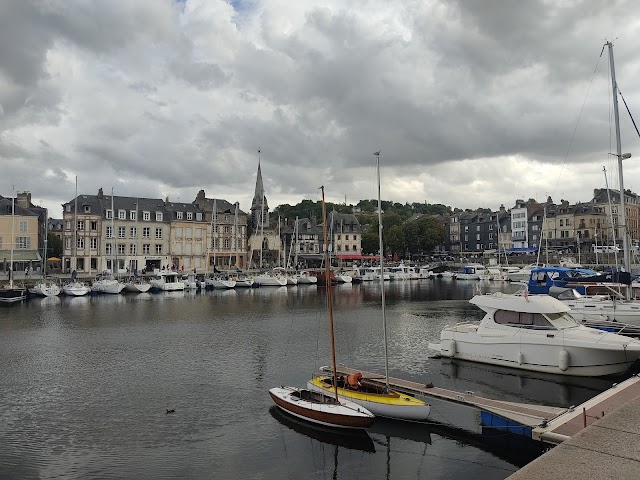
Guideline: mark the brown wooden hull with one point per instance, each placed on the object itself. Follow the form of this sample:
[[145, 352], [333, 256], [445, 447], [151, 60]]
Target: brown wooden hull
[[324, 418]]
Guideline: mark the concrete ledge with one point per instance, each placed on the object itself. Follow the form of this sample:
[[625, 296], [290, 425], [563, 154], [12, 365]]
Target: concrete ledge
[[607, 449]]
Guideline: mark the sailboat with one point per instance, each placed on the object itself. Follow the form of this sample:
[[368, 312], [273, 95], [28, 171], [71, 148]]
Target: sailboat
[[105, 282], [376, 397], [10, 293], [217, 280], [320, 407], [45, 287]]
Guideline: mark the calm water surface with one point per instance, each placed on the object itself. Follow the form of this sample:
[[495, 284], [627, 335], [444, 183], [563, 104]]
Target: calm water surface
[[86, 382]]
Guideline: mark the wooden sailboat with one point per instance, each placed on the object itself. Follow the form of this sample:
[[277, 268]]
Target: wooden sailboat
[[376, 397], [320, 407]]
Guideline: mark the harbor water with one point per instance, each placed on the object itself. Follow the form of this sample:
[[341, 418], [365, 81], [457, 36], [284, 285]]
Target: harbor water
[[86, 385]]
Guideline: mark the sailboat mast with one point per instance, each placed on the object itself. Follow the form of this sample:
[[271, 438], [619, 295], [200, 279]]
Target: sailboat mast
[[327, 274], [384, 316], [75, 229], [214, 233], [261, 216], [614, 87], [13, 239], [113, 233], [235, 237], [613, 226]]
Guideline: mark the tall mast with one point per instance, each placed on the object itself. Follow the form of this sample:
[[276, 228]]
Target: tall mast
[[13, 239], [214, 233], [295, 229], [75, 229], [384, 316], [613, 226], [113, 233], [327, 274], [623, 217], [261, 216], [235, 237]]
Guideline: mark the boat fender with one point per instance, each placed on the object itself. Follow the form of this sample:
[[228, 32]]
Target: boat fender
[[563, 360], [448, 348], [520, 358]]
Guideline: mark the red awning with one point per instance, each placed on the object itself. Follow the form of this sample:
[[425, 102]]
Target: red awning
[[355, 256]]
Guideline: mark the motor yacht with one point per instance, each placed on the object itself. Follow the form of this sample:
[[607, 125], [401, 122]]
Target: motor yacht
[[537, 333]]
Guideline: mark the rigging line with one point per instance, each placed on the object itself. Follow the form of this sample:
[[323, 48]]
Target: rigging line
[[575, 129], [629, 111]]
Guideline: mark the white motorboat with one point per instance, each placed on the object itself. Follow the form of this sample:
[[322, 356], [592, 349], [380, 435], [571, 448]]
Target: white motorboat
[[306, 278], [137, 285], [608, 306], [190, 282], [473, 271], [76, 289], [537, 333], [46, 288], [221, 281], [105, 283], [167, 282], [523, 274], [270, 280], [244, 281], [343, 277]]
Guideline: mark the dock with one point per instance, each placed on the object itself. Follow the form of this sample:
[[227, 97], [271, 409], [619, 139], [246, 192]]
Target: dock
[[551, 425]]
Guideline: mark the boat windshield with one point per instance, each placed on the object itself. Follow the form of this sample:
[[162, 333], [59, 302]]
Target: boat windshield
[[562, 320]]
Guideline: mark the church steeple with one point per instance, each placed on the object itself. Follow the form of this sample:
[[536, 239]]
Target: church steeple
[[259, 205]]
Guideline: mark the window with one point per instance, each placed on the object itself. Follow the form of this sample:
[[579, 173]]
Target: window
[[122, 214], [121, 232], [146, 248], [346, 237], [67, 225], [132, 249], [133, 215], [158, 249], [67, 243], [226, 243], [346, 248], [94, 243], [87, 209], [80, 242], [491, 236], [355, 249], [478, 236], [477, 228], [189, 215], [199, 217], [561, 223], [121, 249], [108, 249], [23, 226], [179, 232], [109, 232], [146, 216], [227, 229], [187, 232], [94, 225], [146, 232], [466, 228], [466, 238], [159, 233], [109, 214], [179, 215], [198, 233], [68, 207], [158, 216], [133, 232], [23, 242], [527, 320]]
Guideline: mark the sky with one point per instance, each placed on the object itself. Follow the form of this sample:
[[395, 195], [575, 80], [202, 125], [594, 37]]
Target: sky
[[472, 103]]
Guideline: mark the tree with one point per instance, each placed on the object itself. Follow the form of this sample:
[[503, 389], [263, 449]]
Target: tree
[[423, 234], [394, 240], [54, 246]]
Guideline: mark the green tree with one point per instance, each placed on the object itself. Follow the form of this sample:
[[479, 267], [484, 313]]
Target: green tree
[[54, 246], [394, 240]]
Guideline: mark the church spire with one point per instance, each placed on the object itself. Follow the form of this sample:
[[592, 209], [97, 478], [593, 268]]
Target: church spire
[[259, 205]]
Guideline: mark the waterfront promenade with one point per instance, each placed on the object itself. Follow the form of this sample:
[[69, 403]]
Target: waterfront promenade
[[607, 449]]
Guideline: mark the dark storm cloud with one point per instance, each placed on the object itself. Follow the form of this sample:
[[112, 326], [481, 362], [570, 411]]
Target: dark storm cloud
[[163, 98]]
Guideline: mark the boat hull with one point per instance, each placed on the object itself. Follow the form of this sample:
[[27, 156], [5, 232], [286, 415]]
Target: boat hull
[[328, 414], [137, 287], [45, 289], [393, 405], [269, 281], [75, 289], [517, 353], [12, 295]]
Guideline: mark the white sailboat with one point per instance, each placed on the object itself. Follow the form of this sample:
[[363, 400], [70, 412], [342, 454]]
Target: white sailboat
[[46, 287], [378, 398], [324, 408], [105, 282]]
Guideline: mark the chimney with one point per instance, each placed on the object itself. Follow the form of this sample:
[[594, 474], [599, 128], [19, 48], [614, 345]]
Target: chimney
[[23, 200], [100, 194]]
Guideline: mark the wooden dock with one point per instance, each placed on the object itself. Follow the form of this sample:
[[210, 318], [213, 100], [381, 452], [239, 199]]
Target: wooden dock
[[471, 412]]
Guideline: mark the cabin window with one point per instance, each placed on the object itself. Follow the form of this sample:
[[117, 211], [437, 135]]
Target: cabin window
[[529, 320]]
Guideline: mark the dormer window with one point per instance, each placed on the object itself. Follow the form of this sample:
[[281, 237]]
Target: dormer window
[[158, 216], [199, 217], [179, 215], [109, 214], [146, 216], [87, 209], [133, 215], [189, 215], [122, 214]]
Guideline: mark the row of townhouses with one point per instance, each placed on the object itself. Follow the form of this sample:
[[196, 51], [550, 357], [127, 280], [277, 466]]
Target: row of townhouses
[[103, 232], [559, 226]]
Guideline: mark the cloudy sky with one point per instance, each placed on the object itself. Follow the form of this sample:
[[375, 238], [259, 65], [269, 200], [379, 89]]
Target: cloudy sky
[[473, 103]]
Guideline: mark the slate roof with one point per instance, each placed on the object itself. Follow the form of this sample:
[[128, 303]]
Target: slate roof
[[5, 209]]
